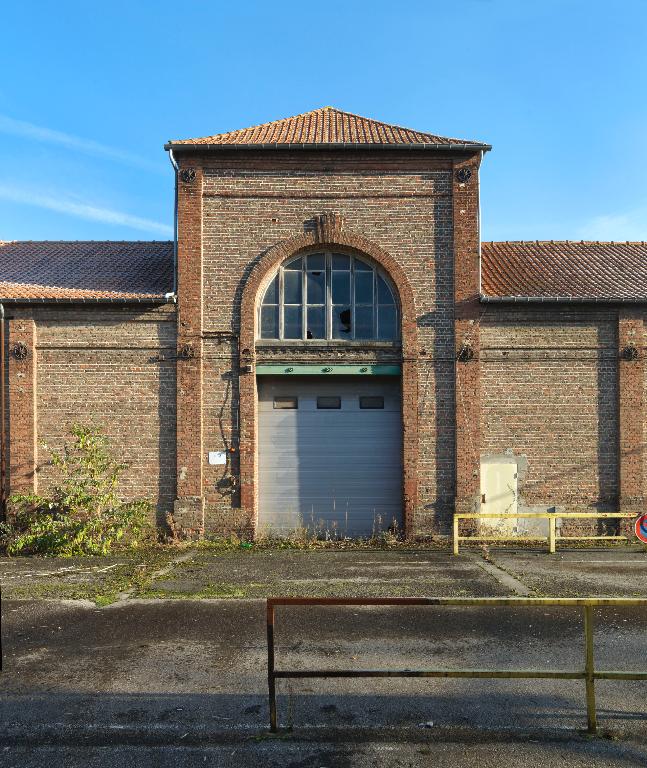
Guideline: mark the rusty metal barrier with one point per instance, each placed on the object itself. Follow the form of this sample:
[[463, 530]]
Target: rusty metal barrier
[[587, 673], [551, 539]]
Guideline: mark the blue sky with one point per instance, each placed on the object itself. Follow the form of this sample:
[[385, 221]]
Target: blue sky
[[90, 92]]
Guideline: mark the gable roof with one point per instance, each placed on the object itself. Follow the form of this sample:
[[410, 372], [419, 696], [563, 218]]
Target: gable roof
[[566, 270], [86, 271], [326, 127]]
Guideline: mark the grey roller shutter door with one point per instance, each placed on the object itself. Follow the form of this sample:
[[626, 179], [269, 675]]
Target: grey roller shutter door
[[332, 471]]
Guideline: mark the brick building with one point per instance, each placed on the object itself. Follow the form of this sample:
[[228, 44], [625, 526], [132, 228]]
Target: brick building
[[328, 343]]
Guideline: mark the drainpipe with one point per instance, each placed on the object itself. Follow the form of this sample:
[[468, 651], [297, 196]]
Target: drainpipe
[[479, 219], [3, 446], [176, 169]]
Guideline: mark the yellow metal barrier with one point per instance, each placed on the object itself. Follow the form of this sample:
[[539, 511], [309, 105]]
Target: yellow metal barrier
[[588, 673], [552, 537]]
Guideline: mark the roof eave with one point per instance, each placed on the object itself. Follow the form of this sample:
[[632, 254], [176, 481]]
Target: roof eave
[[485, 299], [447, 147], [149, 300]]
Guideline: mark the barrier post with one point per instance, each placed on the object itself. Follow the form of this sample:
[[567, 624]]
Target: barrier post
[[552, 525], [271, 680], [589, 669], [456, 520]]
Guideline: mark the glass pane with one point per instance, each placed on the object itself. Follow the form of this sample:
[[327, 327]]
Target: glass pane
[[292, 287], [286, 403], [364, 323], [316, 261], [339, 261], [367, 402], [362, 266], [364, 287], [386, 323], [329, 402], [269, 322], [341, 322], [292, 323], [272, 292], [316, 287], [316, 323], [294, 264], [384, 295], [341, 287]]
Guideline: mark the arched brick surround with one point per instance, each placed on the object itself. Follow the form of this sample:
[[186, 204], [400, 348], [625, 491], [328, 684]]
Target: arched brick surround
[[329, 233]]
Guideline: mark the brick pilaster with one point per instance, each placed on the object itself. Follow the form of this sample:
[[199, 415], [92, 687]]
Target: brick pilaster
[[22, 406], [466, 334], [631, 392], [189, 505]]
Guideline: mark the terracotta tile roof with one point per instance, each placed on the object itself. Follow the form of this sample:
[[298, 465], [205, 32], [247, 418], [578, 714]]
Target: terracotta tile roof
[[326, 126], [85, 271], [567, 269]]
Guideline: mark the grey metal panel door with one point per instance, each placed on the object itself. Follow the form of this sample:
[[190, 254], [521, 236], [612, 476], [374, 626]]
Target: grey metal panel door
[[335, 470]]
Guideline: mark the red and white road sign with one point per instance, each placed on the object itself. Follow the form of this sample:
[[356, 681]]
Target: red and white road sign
[[641, 528]]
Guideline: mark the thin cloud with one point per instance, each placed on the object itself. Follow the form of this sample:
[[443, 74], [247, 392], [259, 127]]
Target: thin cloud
[[83, 210], [48, 136], [631, 225]]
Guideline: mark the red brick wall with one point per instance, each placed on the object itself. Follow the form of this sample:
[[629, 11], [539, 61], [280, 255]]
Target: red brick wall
[[21, 364], [632, 417], [112, 368], [549, 380], [402, 203]]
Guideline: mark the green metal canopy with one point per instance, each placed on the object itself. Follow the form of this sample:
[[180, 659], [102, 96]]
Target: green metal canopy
[[296, 369]]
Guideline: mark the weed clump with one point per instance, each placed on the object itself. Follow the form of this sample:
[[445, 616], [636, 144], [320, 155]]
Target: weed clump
[[82, 513]]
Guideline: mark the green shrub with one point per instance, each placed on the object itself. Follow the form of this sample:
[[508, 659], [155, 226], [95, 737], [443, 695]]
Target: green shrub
[[82, 513]]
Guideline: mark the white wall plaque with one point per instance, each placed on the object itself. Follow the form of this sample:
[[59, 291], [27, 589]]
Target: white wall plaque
[[217, 457]]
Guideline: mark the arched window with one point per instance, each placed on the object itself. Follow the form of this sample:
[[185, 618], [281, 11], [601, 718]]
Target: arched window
[[328, 296]]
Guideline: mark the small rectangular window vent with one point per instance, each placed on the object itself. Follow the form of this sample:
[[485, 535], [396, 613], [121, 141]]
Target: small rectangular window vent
[[286, 402], [371, 402], [330, 403]]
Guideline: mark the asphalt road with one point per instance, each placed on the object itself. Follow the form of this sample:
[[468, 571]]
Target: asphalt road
[[179, 682]]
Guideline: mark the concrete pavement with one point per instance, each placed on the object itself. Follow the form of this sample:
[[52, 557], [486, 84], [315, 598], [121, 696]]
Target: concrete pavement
[[179, 682]]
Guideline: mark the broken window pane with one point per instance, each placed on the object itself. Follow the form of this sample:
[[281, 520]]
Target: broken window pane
[[341, 322], [345, 298]]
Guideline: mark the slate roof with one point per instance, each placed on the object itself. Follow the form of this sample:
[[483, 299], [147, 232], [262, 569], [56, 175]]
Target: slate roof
[[326, 126], [85, 271], [570, 270]]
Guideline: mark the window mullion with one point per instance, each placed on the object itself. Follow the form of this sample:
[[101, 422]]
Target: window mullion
[[304, 305], [352, 297], [281, 303], [376, 334], [328, 296]]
